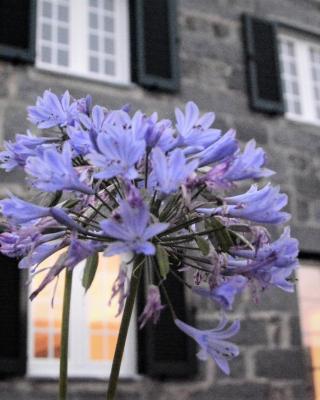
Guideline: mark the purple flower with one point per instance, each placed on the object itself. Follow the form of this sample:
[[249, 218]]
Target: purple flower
[[52, 171], [248, 165], [170, 172], [213, 343], [98, 121], [19, 211], [18, 242], [120, 287], [225, 293], [41, 252], [194, 130], [130, 226], [78, 251], [51, 111], [262, 206], [16, 153], [152, 308], [119, 151], [271, 264], [222, 148]]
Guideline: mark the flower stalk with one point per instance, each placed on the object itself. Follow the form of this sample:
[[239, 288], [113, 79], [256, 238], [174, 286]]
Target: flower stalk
[[63, 375], [127, 313]]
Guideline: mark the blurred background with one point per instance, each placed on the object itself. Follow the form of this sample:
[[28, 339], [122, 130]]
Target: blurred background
[[256, 63]]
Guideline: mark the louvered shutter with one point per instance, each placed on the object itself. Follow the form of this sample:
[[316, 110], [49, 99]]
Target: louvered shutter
[[164, 351], [154, 44], [17, 30], [263, 70], [13, 301]]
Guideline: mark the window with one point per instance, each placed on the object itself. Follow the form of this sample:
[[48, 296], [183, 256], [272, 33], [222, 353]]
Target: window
[[93, 326], [300, 74], [309, 305], [87, 38]]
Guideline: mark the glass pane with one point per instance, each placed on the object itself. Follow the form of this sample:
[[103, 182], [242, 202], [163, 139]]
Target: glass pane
[[93, 42], [103, 326], [96, 347], [111, 346], [63, 58], [108, 46], [47, 9], [62, 35], [108, 5], [109, 67], [41, 345], [93, 21], [63, 13], [108, 24], [46, 32], [46, 55], [94, 64], [93, 3], [57, 340]]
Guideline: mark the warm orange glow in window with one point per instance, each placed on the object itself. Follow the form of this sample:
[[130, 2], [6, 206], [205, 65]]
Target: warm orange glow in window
[[92, 312], [309, 304]]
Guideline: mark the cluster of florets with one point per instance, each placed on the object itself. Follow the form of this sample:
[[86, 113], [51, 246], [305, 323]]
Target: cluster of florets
[[118, 183]]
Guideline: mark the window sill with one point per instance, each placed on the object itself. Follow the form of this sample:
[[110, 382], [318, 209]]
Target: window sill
[[302, 120], [71, 76]]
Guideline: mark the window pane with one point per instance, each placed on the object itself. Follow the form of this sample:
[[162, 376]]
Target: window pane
[[41, 345], [109, 67], [63, 35], [93, 3], [93, 42], [108, 5], [46, 32], [96, 347], [63, 58], [108, 46], [94, 64], [47, 9], [46, 55], [63, 13], [93, 21], [108, 24]]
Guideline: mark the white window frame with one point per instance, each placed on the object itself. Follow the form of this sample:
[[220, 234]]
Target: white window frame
[[78, 364], [79, 44], [302, 47]]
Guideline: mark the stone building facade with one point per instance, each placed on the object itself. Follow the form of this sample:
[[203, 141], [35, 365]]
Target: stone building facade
[[273, 364]]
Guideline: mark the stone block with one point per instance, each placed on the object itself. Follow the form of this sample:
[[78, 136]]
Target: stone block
[[237, 369], [302, 210], [233, 391], [249, 128], [275, 299], [295, 331], [253, 332], [280, 364], [308, 238], [15, 121]]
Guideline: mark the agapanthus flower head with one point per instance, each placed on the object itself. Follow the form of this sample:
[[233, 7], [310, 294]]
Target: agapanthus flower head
[[19, 211], [51, 111], [114, 182], [212, 342], [52, 170], [131, 228], [169, 173]]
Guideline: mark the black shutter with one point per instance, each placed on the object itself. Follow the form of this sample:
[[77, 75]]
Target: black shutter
[[154, 44], [263, 70], [13, 300], [17, 29], [164, 351]]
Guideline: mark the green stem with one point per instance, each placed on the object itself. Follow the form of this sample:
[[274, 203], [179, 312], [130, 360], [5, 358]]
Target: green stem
[[134, 285], [63, 378]]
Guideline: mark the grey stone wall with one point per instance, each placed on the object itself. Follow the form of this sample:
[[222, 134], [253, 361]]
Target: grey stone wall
[[273, 364]]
